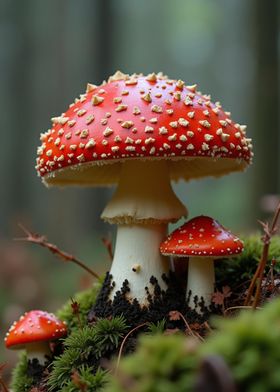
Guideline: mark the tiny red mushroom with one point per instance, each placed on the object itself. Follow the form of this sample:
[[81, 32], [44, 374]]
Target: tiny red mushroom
[[33, 332], [140, 132], [203, 239]]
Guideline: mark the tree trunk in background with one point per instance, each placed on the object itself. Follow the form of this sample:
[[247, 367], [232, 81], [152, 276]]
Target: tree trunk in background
[[266, 104]]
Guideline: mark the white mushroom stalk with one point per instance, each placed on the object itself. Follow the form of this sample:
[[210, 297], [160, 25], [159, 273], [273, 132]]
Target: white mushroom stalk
[[142, 206], [201, 280], [38, 350]]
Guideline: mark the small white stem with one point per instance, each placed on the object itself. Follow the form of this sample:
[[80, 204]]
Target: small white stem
[[201, 279], [137, 259], [38, 350]]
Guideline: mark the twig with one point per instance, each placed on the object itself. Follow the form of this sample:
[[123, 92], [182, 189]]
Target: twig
[[176, 315], [76, 311], [42, 241], [258, 276], [2, 382], [239, 308], [108, 245], [188, 326], [123, 342], [207, 326]]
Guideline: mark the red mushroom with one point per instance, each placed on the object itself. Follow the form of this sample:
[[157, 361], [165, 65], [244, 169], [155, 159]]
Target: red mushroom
[[141, 132], [33, 332], [203, 239]]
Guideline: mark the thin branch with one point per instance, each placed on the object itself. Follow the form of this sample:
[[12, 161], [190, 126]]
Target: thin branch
[[108, 245], [3, 385], [176, 315], [42, 241], [188, 328], [239, 308], [123, 342], [258, 276]]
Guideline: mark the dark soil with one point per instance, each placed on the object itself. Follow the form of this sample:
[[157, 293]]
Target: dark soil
[[160, 304]]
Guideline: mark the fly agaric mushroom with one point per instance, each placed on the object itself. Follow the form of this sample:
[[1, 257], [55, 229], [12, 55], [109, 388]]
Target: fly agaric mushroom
[[203, 239], [141, 132], [33, 332]]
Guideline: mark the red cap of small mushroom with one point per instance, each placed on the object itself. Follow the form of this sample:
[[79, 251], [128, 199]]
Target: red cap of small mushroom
[[142, 117], [35, 326], [201, 236]]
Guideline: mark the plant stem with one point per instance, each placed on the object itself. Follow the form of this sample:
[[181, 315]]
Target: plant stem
[[42, 241], [258, 276], [123, 342]]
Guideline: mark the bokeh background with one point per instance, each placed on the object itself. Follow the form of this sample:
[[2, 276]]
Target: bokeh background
[[50, 49]]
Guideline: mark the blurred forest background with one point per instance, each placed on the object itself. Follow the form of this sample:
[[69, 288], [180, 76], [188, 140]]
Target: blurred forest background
[[51, 49]]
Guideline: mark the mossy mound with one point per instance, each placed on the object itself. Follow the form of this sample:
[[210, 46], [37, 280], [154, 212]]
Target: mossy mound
[[249, 345], [164, 363]]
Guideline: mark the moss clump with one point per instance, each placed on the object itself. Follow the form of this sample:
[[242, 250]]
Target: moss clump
[[85, 300], [249, 345], [84, 349], [236, 271], [86, 380], [160, 364], [21, 381]]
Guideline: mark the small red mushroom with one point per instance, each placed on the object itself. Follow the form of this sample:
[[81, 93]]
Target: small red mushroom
[[33, 332], [203, 239]]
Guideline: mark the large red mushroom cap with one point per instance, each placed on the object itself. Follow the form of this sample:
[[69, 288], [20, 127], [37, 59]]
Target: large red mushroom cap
[[141, 117], [35, 326], [202, 236]]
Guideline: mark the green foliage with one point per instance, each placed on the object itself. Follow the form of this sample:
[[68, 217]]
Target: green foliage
[[248, 343], [157, 328], [86, 346], [21, 382], [85, 300], [235, 271], [87, 379], [160, 364], [250, 346], [108, 334]]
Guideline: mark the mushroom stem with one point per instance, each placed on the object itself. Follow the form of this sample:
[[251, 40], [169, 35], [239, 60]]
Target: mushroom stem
[[38, 350], [144, 195], [201, 279], [137, 259], [142, 206]]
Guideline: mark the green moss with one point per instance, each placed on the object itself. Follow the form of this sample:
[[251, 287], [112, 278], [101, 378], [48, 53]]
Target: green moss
[[85, 300], [235, 271], [157, 328], [249, 344], [160, 364], [21, 382], [84, 347], [85, 378]]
